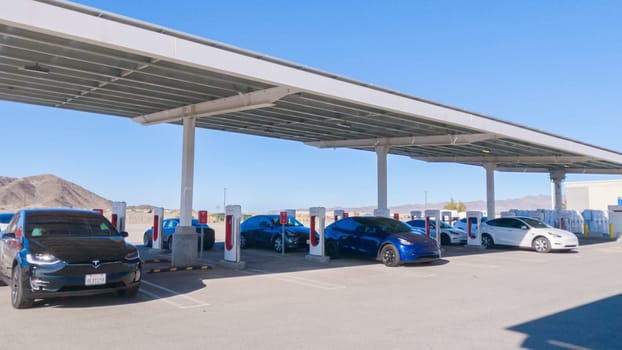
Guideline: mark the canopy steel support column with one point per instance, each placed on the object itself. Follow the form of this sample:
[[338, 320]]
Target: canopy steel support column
[[381, 153], [185, 238], [557, 176], [490, 189]]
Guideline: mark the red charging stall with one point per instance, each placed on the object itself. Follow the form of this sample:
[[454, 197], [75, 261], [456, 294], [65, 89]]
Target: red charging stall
[[317, 221], [158, 221], [118, 215], [233, 216], [473, 236], [436, 215]]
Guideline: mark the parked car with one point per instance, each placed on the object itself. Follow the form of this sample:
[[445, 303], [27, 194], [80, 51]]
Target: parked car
[[168, 229], [265, 230], [462, 224], [46, 253], [388, 240], [527, 233], [449, 234], [4, 220]]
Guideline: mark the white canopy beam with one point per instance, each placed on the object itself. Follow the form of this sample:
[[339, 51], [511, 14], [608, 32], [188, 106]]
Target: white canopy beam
[[241, 102], [568, 170], [506, 159], [435, 140]]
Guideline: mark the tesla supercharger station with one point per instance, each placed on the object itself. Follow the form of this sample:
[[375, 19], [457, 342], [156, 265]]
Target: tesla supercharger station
[[473, 236], [339, 214], [118, 215], [317, 221], [446, 214], [158, 220], [415, 214], [436, 214], [396, 216], [233, 216], [382, 213]]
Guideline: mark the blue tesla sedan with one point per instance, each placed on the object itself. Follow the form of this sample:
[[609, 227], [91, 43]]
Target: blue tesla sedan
[[390, 241], [265, 230]]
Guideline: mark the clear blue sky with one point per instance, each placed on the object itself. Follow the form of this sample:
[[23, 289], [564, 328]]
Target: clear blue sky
[[552, 65]]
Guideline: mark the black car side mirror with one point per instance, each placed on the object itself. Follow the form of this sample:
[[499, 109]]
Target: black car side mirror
[[124, 234]]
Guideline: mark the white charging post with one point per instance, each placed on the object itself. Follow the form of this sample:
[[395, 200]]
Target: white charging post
[[233, 216], [446, 214], [436, 214], [474, 238], [415, 214], [158, 221], [317, 221], [118, 215], [339, 214], [384, 213]]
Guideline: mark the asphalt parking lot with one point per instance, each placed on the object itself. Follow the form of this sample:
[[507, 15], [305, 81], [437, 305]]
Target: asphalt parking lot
[[472, 299]]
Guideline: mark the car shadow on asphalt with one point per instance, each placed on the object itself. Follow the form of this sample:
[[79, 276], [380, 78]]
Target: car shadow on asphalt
[[589, 326]]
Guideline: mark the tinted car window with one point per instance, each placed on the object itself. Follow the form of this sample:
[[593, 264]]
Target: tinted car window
[[69, 224], [492, 222], [514, 223], [347, 225], [386, 225], [535, 223]]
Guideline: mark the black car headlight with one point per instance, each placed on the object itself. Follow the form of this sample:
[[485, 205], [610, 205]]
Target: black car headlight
[[42, 259], [132, 255]]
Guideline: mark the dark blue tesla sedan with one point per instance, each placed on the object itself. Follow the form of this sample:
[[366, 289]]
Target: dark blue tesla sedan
[[265, 230], [390, 241]]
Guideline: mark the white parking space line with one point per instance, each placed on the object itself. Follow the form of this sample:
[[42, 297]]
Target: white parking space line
[[194, 302], [295, 280]]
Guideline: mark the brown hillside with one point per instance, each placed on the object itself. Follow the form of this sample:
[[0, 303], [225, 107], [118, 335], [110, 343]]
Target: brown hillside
[[42, 191]]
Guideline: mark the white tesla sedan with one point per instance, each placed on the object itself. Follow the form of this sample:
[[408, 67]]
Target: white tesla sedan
[[527, 233]]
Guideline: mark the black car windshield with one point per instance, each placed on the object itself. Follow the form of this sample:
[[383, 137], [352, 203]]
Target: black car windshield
[[59, 224], [535, 223], [276, 221]]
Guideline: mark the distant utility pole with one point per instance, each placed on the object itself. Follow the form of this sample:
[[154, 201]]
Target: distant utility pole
[[425, 205], [224, 201]]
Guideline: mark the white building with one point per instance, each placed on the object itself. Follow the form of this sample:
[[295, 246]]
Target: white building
[[597, 195]]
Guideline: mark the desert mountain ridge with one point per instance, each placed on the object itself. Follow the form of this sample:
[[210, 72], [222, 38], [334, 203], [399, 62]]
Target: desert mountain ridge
[[48, 190]]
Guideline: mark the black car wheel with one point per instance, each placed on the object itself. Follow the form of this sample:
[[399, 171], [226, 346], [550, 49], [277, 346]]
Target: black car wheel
[[487, 241], [147, 240], [541, 244], [19, 299], [332, 249], [445, 239], [278, 244], [390, 256]]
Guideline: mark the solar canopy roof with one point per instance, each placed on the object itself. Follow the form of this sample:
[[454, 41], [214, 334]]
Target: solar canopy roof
[[63, 55]]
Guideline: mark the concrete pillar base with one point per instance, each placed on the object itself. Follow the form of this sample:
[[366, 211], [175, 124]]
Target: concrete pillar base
[[185, 244], [317, 258], [232, 264]]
